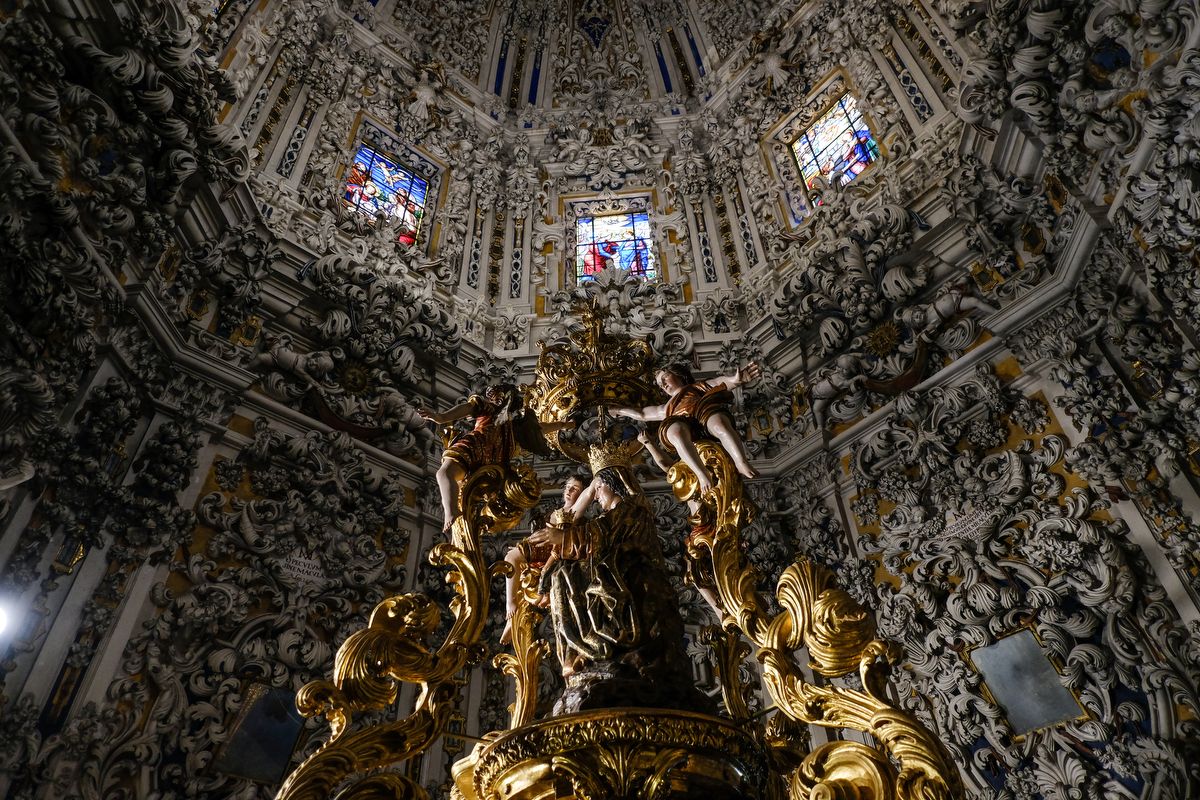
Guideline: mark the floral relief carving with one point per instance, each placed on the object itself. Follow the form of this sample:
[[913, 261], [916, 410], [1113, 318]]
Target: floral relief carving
[[265, 598], [210, 365], [986, 530]]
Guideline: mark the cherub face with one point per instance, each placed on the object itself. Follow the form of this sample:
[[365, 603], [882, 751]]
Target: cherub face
[[571, 491], [915, 317], [669, 382]]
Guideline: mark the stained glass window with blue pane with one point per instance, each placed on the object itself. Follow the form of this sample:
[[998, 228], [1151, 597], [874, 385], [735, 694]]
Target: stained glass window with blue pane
[[621, 241], [837, 147], [377, 185]]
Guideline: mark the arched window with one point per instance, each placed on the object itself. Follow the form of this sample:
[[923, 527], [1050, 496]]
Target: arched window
[[621, 241], [837, 147], [377, 185]]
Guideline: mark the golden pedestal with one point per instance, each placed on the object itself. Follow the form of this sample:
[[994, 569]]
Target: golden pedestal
[[618, 754]]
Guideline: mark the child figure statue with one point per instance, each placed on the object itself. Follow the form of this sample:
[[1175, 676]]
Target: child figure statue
[[696, 408], [525, 553]]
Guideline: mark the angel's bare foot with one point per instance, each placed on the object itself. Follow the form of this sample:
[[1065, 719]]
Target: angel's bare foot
[[704, 481], [747, 471], [506, 635]]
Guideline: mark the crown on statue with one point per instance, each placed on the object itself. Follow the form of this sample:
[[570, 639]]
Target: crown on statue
[[611, 454], [589, 372]]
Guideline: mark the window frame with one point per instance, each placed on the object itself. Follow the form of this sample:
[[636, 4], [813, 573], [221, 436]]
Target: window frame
[[412, 176], [648, 245], [795, 198], [609, 205], [367, 131], [838, 104]]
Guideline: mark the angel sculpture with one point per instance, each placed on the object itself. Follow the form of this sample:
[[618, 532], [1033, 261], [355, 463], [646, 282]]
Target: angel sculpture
[[696, 408], [501, 425]]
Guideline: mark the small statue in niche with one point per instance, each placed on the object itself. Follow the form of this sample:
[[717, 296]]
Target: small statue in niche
[[426, 91], [697, 408], [501, 424], [772, 66]]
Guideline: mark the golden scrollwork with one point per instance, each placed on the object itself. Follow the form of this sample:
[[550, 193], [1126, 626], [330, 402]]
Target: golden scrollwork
[[843, 771], [590, 371], [386, 786], [395, 636], [392, 649], [624, 752], [729, 650], [839, 635], [620, 770], [788, 743], [523, 662]]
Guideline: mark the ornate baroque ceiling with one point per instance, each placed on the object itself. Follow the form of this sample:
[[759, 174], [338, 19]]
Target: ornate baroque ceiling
[[978, 406]]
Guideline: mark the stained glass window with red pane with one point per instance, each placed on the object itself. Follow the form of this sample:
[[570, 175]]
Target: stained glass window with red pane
[[379, 186], [837, 147], [621, 241]]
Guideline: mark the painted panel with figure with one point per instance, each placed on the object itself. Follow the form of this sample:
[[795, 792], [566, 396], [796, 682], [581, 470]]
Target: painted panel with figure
[[838, 146], [378, 186], [620, 241]]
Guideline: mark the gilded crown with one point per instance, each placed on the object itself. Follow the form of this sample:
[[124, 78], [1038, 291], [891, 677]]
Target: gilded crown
[[591, 371], [609, 454]]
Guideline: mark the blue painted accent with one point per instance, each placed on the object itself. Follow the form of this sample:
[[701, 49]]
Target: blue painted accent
[[662, 66], [537, 75], [594, 28], [500, 67], [695, 50]]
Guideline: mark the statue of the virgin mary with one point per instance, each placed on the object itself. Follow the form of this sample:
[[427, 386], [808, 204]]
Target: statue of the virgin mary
[[617, 630]]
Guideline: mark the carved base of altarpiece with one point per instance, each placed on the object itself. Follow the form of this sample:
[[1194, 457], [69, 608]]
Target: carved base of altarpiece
[[617, 754]]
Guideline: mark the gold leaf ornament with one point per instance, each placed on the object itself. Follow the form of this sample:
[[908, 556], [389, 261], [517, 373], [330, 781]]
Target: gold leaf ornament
[[392, 648], [840, 637]]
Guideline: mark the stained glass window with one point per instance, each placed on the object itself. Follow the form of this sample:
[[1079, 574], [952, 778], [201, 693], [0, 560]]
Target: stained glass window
[[837, 147], [619, 240], [378, 185]]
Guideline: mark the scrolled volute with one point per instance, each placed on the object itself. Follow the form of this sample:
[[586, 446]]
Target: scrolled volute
[[840, 637], [387, 786], [527, 653], [844, 771], [370, 662], [392, 648], [827, 620]]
